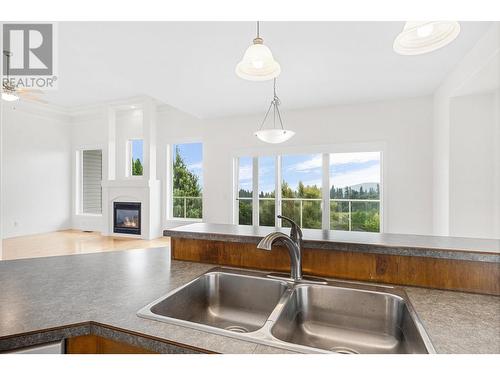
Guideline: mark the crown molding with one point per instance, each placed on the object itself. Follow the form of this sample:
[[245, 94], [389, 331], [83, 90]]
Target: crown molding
[[38, 109]]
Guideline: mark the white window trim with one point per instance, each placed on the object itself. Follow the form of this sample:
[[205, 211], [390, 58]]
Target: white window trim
[[169, 186], [325, 150], [78, 178]]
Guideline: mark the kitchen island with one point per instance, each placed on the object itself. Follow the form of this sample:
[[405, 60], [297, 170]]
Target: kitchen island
[[49, 299], [450, 263]]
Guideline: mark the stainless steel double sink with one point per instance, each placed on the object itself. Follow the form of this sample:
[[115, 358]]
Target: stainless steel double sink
[[330, 317]]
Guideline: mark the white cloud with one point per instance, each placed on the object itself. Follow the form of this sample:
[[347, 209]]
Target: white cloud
[[307, 165], [245, 172], [353, 157], [368, 174], [195, 166], [316, 161]]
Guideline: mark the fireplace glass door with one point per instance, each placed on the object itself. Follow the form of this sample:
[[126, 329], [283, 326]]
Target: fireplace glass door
[[127, 217]]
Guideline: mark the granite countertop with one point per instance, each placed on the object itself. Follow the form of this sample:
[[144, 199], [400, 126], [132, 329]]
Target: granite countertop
[[44, 298], [474, 249]]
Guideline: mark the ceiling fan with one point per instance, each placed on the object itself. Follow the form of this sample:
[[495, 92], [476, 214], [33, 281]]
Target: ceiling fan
[[12, 93]]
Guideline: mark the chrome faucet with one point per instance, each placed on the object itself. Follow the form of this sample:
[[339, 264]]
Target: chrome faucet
[[293, 243]]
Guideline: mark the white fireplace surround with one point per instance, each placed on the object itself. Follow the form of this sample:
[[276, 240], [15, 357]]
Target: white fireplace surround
[[117, 186], [145, 192]]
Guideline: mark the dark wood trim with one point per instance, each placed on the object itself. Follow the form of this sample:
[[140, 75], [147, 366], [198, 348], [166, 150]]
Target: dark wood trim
[[449, 274], [83, 329], [92, 344], [149, 337]]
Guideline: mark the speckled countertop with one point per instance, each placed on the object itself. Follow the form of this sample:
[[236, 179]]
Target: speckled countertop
[[44, 297]]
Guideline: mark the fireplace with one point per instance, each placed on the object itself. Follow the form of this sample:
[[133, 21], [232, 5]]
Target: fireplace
[[127, 217]]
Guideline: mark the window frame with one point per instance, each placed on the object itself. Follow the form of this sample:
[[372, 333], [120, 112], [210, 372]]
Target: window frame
[[79, 178], [325, 151], [169, 181]]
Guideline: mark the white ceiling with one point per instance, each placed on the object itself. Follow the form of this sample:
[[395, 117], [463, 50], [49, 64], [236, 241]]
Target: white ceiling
[[190, 65]]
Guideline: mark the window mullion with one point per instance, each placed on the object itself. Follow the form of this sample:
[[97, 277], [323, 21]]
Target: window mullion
[[255, 191], [170, 182], [325, 212], [277, 192], [236, 196]]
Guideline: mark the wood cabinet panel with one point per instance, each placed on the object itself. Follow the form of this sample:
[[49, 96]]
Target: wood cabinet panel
[[459, 275]]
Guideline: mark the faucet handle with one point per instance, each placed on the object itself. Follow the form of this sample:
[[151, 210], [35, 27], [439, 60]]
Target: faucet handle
[[295, 231]]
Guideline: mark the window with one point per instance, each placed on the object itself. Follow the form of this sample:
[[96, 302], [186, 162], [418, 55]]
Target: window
[[245, 191], [339, 191], [187, 181], [355, 191], [91, 176], [136, 154]]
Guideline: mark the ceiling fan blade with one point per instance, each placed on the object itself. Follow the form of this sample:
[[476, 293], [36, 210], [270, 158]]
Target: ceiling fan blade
[[31, 91], [32, 98]]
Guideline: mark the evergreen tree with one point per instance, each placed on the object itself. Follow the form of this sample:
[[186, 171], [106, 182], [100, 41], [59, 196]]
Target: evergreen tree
[[136, 167], [186, 184]]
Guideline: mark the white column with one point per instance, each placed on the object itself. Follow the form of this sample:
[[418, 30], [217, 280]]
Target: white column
[[149, 136], [110, 154]]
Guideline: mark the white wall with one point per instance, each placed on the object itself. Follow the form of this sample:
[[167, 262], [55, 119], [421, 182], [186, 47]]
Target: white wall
[[36, 171], [403, 126], [466, 75], [474, 190], [174, 127], [88, 131], [128, 126], [402, 129]]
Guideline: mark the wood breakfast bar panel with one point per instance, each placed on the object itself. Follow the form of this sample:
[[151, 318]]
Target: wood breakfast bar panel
[[450, 274]]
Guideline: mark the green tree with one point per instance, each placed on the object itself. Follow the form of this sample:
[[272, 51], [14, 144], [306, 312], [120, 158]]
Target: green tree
[[136, 167], [186, 184]]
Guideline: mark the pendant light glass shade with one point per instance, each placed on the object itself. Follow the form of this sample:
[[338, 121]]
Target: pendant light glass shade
[[258, 63], [422, 37], [9, 96], [274, 135]]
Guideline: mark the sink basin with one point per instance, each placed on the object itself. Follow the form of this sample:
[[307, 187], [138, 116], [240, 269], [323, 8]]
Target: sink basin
[[348, 321], [305, 317], [233, 302]]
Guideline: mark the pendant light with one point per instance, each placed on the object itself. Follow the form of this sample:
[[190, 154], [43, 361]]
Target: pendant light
[[258, 63], [422, 37], [274, 135]]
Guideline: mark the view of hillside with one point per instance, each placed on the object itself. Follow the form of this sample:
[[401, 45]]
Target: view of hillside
[[364, 215], [354, 193]]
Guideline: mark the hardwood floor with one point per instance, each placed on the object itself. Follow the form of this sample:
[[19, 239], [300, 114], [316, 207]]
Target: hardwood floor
[[69, 242]]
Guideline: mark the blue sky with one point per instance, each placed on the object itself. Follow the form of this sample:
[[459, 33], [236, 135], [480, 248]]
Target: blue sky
[[137, 151], [192, 153], [346, 169]]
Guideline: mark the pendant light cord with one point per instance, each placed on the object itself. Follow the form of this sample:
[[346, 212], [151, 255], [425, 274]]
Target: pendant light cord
[[258, 29], [276, 111]]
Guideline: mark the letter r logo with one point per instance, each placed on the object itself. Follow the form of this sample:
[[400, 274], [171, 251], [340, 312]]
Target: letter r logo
[[31, 47]]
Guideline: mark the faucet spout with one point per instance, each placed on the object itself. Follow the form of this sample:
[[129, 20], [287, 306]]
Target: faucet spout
[[267, 242], [292, 243]]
